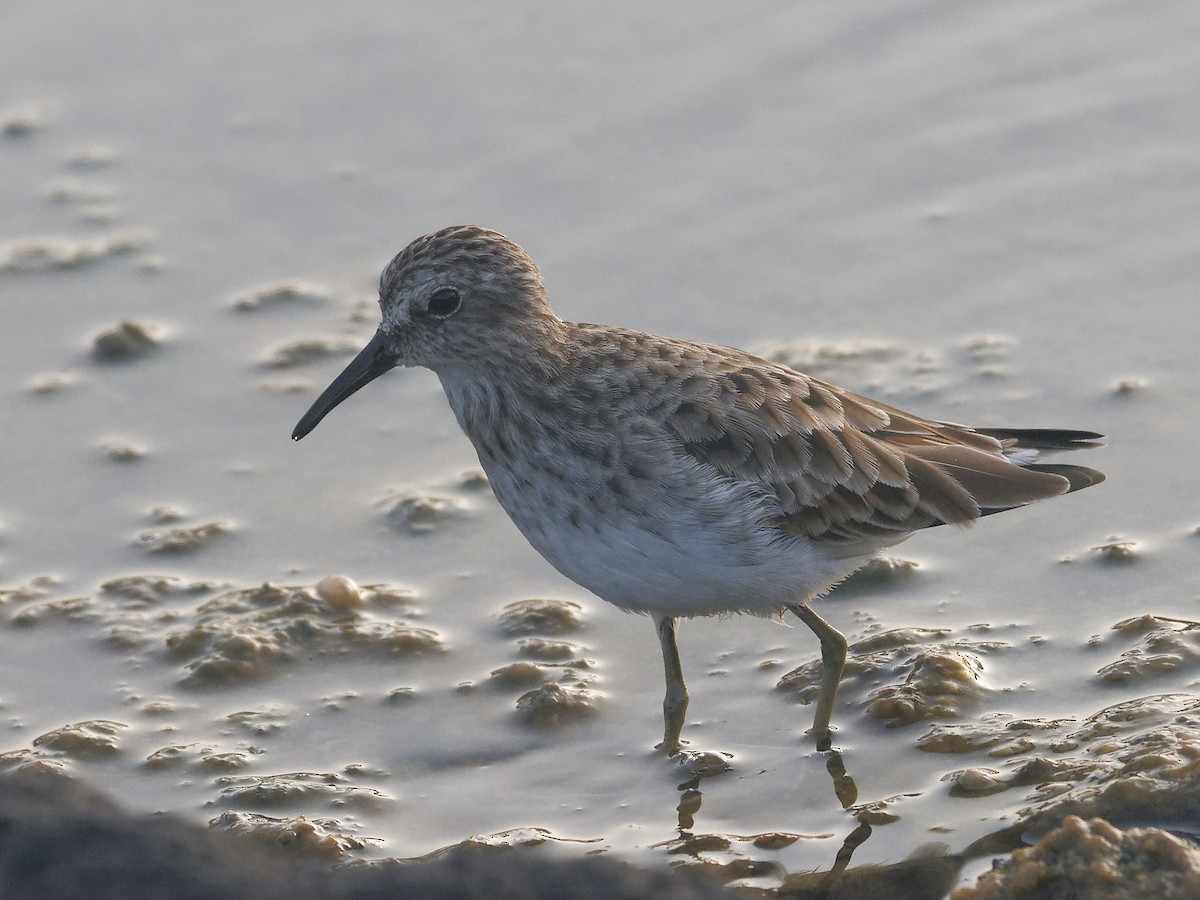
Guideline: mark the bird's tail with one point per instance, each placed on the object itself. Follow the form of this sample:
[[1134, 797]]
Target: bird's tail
[[1025, 445]]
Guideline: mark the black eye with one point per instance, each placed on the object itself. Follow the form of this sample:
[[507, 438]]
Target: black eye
[[444, 302]]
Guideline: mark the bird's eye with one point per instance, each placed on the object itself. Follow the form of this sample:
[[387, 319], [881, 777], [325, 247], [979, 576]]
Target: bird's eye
[[444, 302]]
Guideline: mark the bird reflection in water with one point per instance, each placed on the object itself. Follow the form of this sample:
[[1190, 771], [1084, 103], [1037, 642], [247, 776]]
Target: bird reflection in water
[[928, 873]]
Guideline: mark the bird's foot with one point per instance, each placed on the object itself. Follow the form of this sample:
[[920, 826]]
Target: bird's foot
[[670, 747], [823, 738]]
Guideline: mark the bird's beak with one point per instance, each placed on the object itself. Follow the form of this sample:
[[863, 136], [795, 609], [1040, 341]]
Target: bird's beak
[[372, 361]]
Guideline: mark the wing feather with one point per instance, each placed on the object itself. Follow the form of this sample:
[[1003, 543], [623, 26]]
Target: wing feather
[[846, 469]]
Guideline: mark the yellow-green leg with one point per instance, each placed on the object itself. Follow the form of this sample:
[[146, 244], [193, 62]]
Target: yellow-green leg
[[833, 663], [675, 703]]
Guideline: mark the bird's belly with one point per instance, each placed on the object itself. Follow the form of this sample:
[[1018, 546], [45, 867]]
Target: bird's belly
[[691, 556]]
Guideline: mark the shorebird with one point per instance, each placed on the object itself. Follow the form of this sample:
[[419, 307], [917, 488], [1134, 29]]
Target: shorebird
[[676, 478]]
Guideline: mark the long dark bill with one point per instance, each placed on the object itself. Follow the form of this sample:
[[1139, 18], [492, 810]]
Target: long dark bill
[[372, 361]]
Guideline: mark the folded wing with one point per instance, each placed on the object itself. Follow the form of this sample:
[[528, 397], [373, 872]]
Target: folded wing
[[845, 469]]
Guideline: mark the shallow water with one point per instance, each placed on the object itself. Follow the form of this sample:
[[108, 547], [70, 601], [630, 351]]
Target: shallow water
[[985, 215]]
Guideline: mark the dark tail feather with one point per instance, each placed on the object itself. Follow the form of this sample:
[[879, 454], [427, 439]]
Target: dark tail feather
[[1050, 439], [1079, 476], [1047, 439]]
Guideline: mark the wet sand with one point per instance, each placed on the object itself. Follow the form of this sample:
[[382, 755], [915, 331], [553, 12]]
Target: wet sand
[[985, 215]]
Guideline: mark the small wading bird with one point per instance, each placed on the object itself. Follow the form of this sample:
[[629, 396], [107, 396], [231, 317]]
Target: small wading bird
[[676, 478]]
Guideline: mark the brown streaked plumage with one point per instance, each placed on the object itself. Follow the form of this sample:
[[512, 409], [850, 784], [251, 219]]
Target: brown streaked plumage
[[677, 478]]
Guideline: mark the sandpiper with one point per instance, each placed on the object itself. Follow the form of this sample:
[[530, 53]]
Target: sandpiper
[[676, 478]]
